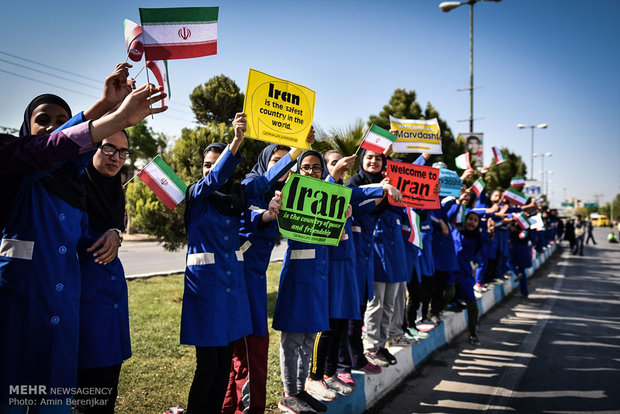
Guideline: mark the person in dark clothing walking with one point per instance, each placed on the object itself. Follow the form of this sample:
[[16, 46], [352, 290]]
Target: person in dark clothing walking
[[589, 232]]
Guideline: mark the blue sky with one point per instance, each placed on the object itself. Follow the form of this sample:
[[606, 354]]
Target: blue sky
[[538, 61]]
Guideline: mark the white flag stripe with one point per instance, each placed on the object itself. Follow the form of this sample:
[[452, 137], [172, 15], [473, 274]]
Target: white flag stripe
[[378, 140], [159, 176], [169, 34]]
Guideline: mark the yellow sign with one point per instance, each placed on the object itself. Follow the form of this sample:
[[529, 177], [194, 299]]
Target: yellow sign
[[416, 135], [277, 110]]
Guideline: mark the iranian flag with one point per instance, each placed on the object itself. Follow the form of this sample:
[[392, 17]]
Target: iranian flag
[[515, 196], [416, 236], [522, 221], [133, 40], [461, 214], [166, 185], [377, 139], [479, 186], [462, 161], [517, 182], [179, 32], [499, 155], [160, 71]]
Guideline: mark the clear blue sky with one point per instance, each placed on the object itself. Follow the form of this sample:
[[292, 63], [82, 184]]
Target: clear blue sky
[[538, 61]]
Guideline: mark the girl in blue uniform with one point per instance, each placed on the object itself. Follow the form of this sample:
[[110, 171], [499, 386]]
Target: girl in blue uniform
[[216, 309], [39, 271], [104, 314]]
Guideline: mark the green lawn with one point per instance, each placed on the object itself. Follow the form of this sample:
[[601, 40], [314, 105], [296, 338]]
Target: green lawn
[[160, 372]]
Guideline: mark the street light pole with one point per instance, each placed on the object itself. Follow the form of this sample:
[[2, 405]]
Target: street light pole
[[446, 6], [541, 126]]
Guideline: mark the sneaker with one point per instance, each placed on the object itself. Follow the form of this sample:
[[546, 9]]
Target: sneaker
[[371, 368], [473, 339], [319, 389], [478, 288], [411, 339], [340, 387], [377, 359], [387, 355], [347, 378], [425, 325], [315, 404], [477, 295], [417, 334], [294, 405], [485, 288], [436, 319], [401, 340]]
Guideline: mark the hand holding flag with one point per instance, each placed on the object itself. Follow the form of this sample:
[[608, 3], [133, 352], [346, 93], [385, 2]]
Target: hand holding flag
[[377, 139], [160, 71]]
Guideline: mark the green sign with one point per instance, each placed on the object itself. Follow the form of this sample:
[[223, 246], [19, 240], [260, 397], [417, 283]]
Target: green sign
[[564, 204], [590, 205], [313, 211]]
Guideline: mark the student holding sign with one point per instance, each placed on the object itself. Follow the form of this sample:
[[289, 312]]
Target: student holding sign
[[216, 310], [258, 235]]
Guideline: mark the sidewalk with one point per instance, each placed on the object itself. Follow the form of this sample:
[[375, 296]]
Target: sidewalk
[[371, 388]]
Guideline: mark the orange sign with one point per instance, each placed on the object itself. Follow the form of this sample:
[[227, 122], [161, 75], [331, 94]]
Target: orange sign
[[416, 183]]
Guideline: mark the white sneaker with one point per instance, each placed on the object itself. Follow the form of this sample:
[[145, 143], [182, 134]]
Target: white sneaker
[[338, 386], [319, 389]]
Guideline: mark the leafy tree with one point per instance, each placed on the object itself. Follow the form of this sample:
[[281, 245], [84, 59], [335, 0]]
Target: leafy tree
[[346, 140], [144, 144], [402, 105], [606, 209], [499, 175], [217, 100]]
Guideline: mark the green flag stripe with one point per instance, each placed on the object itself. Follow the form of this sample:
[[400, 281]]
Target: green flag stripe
[[179, 15], [380, 131], [171, 174]]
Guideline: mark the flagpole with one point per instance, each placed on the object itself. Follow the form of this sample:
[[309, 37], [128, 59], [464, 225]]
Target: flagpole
[[128, 53], [139, 72], [131, 179]]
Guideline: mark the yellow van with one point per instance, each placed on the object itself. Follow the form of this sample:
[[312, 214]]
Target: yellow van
[[600, 221]]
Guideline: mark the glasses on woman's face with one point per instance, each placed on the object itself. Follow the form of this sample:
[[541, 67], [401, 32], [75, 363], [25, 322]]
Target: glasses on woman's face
[[110, 150], [314, 168]]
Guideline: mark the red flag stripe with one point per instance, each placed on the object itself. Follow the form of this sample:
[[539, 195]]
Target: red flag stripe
[[168, 52], [372, 147], [156, 188]]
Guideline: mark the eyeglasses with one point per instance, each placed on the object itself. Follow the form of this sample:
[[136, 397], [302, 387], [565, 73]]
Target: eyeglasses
[[313, 168], [110, 150]]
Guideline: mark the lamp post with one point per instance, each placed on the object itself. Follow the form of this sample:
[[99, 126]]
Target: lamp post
[[542, 172], [542, 126], [446, 6]]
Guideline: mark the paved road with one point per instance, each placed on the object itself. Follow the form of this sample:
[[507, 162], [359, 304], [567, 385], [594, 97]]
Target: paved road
[[148, 257], [556, 352]]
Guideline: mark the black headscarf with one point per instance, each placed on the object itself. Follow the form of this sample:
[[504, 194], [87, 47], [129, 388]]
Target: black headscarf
[[316, 154], [230, 199], [363, 177], [261, 167], [62, 181], [105, 200]]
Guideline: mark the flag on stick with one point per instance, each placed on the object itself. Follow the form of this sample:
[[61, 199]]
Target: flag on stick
[[377, 139], [462, 161], [479, 186], [499, 155], [179, 32], [416, 236], [133, 40], [164, 182], [522, 221], [517, 182], [160, 71], [515, 196]]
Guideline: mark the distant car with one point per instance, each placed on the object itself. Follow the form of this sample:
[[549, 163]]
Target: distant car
[[600, 221]]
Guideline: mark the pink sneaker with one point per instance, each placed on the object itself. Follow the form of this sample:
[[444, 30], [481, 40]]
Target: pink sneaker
[[347, 378], [371, 369]]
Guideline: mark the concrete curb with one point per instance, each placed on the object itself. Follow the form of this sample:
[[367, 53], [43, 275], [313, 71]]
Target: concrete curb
[[371, 388]]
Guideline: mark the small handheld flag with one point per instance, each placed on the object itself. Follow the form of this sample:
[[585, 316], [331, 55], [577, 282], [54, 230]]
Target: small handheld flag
[[133, 40], [416, 236], [160, 71], [522, 221], [377, 139], [164, 182], [479, 186], [517, 182], [499, 155], [462, 161], [179, 32], [515, 196]]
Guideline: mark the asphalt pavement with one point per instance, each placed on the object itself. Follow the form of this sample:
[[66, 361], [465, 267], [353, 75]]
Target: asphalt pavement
[[557, 351]]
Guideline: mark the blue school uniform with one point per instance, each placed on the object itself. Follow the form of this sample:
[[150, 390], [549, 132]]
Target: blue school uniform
[[104, 311], [467, 249], [427, 262], [390, 265], [302, 305], [412, 252], [444, 255], [40, 284]]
